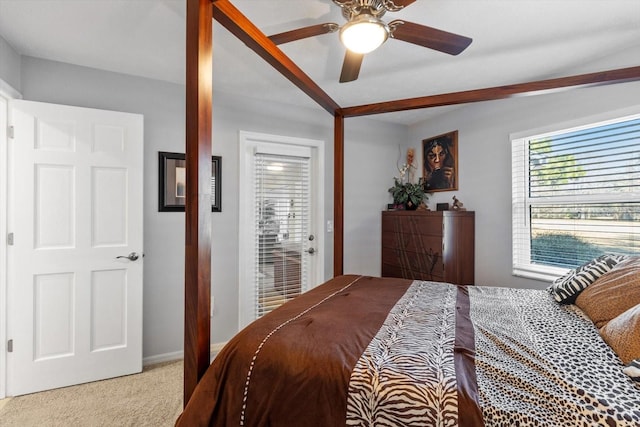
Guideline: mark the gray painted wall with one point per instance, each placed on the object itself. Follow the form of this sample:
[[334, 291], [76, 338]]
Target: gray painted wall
[[484, 161], [162, 105], [369, 146], [371, 152], [9, 65]]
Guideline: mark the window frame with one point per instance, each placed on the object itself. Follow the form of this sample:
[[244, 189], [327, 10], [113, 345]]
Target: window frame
[[249, 144], [522, 202]]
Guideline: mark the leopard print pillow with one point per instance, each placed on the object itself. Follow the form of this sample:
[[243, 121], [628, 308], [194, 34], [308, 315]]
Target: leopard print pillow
[[566, 289]]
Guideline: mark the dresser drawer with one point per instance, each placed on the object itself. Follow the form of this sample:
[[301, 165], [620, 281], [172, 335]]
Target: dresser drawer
[[411, 224], [412, 242], [407, 273], [427, 263], [428, 245]]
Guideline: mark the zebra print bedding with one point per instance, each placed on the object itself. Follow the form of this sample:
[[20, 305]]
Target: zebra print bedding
[[388, 352], [407, 374]]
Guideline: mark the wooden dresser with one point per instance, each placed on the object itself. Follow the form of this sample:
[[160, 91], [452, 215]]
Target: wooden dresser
[[429, 245]]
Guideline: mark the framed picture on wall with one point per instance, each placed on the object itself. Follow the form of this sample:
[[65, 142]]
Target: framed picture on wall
[[172, 180], [440, 162]]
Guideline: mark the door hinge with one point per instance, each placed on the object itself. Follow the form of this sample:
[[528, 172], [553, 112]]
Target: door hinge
[[10, 239], [10, 132], [10, 346]]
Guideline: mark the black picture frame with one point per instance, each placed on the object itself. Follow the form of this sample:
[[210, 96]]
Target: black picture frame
[[171, 182], [444, 177]]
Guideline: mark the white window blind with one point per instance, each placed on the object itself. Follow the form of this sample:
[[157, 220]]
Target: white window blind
[[576, 195], [282, 212]]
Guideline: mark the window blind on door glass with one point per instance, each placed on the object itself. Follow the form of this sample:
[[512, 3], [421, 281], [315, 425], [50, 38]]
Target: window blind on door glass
[[578, 195], [282, 216]]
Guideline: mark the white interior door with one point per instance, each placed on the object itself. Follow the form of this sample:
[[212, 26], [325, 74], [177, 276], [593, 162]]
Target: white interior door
[[4, 124], [281, 214], [75, 299]]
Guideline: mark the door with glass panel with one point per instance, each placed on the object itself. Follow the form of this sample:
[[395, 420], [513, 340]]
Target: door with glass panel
[[280, 242]]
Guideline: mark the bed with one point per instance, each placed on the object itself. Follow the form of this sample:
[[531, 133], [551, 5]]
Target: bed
[[199, 141], [366, 351]]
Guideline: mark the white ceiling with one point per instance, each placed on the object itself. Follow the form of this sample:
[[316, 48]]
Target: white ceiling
[[514, 41]]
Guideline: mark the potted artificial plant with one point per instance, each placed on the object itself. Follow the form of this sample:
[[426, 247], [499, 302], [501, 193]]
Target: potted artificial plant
[[408, 194], [405, 193]]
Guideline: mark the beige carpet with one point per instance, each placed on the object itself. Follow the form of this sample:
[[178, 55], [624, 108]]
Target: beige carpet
[[152, 398]]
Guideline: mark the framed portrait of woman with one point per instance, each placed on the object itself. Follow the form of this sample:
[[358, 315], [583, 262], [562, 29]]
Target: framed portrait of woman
[[440, 162]]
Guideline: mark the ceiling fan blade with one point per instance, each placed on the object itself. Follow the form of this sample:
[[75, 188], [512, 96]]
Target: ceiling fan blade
[[303, 33], [351, 66], [430, 37], [394, 5]]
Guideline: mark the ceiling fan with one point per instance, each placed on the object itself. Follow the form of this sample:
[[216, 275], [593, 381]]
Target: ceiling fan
[[365, 31]]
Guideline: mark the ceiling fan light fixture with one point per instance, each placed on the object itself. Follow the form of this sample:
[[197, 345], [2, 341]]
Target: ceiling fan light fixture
[[364, 34]]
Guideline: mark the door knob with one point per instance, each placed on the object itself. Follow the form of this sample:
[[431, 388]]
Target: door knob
[[131, 257]]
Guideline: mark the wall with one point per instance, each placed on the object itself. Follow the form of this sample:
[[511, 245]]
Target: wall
[[484, 161], [162, 104], [372, 151], [368, 147], [9, 69], [231, 115]]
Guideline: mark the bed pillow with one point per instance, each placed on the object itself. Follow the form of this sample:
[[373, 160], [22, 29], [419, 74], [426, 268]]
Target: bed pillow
[[613, 293], [623, 334], [565, 289], [633, 370]]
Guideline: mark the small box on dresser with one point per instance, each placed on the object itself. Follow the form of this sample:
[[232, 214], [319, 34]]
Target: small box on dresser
[[429, 245]]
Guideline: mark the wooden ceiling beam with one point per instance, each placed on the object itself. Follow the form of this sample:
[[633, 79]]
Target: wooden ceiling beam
[[240, 26], [500, 92]]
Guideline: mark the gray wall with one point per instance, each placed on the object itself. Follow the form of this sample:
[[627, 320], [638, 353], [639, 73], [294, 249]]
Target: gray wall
[[484, 161], [162, 105], [371, 153], [9, 65], [369, 145]]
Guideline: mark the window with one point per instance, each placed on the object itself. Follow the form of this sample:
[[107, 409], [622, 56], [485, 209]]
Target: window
[[576, 195], [282, 213]]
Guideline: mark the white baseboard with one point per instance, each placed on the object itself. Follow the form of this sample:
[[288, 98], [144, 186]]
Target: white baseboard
[[161, 358], [178, 355]]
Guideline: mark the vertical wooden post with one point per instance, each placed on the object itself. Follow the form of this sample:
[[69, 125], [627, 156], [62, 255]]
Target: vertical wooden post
[[338, 194], [197, 290]]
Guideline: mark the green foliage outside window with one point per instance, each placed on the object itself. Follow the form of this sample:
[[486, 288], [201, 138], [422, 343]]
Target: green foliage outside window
[[562, 250]]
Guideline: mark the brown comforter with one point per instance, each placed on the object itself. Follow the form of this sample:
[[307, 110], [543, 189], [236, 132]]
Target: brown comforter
[[292, 367], [369, 351]]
